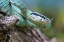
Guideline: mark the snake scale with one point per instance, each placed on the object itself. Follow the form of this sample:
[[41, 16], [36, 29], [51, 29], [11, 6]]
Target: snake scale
[[25, 16]]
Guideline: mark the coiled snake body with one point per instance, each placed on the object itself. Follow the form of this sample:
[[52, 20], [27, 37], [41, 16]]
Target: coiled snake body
[[26, 17]]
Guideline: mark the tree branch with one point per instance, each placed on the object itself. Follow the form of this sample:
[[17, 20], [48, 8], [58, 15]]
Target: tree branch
[[26, 34], [8, 21]]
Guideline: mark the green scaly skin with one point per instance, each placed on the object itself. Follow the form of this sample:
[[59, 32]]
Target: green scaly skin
[[18, 8]]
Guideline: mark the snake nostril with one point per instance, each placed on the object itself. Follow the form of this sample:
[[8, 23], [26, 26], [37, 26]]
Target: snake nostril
[[47, 19]]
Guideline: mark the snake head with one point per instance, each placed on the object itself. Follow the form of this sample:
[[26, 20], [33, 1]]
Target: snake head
[[40, 20]]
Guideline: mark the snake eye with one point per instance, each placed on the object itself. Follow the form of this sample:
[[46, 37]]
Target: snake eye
[[42, 19]]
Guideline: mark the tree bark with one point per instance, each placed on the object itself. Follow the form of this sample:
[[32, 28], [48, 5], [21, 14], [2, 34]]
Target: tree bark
[[9, 33], [29, 35], [6, 24]]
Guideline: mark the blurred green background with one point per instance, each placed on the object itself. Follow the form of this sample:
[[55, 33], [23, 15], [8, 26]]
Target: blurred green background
[[50, 8]]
